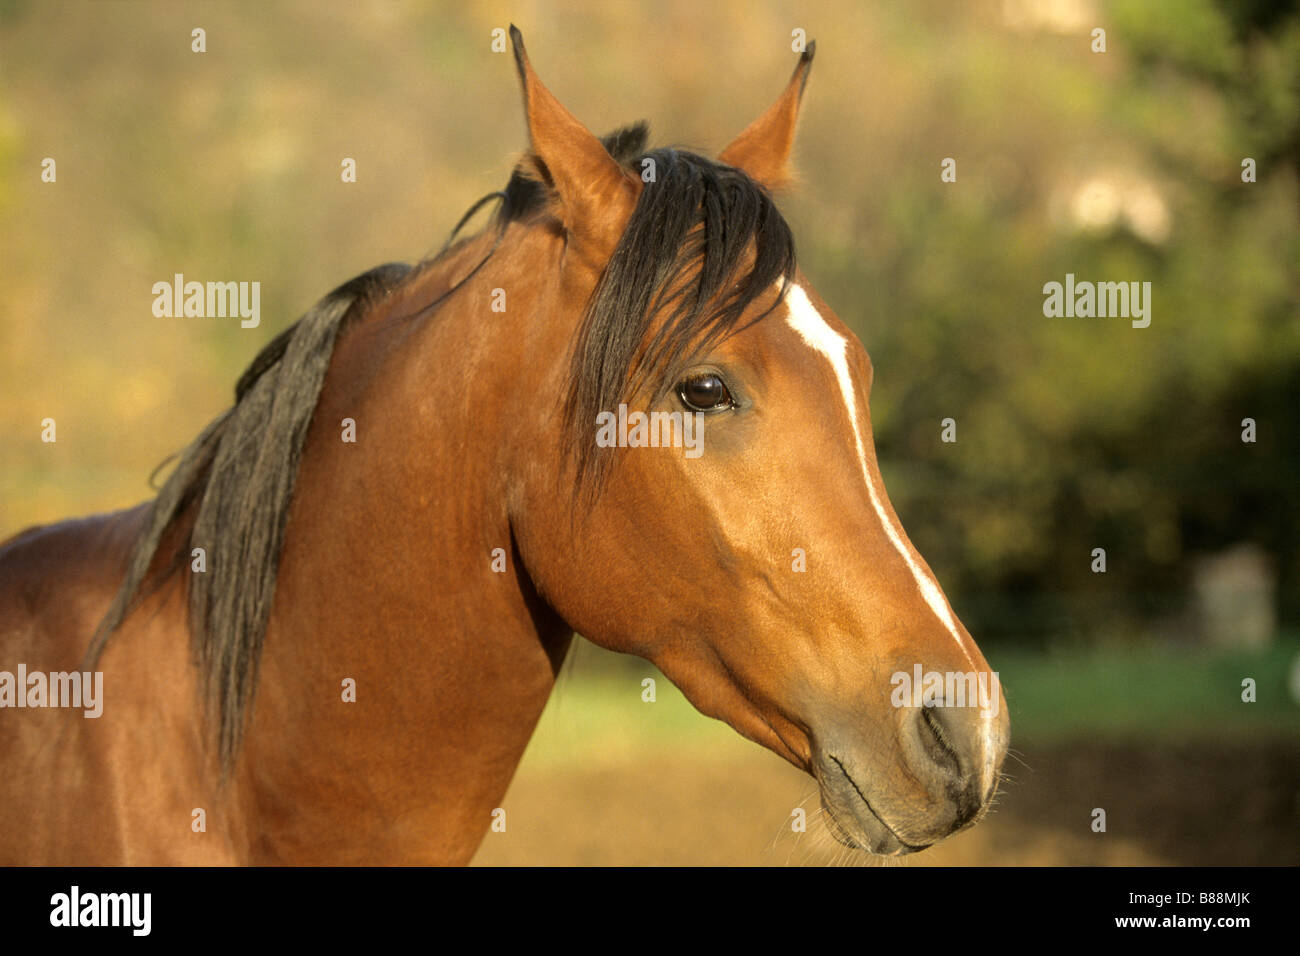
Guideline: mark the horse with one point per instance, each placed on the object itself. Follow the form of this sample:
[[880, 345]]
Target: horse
[[389, 540]]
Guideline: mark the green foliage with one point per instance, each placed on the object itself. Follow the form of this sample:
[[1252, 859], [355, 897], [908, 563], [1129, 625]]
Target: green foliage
[[1080, 433]]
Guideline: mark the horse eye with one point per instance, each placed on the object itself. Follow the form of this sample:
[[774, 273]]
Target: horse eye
[[704, 392]]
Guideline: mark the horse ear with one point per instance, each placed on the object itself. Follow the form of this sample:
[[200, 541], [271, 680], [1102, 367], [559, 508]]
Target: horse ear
[[762, 151], [596, 195]]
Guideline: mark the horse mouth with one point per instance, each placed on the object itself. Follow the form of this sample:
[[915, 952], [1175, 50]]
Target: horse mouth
[[853, 821]]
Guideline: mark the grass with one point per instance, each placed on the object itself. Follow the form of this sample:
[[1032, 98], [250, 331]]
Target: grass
[[1149, 691]]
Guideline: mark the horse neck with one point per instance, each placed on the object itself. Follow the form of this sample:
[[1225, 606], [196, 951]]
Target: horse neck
[[387, 574]]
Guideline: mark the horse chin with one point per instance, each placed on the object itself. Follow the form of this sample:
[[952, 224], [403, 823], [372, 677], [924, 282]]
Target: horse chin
[[838, 832], [869, 836]]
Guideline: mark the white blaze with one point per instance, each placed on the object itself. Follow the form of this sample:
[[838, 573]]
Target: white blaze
[[808, 322]]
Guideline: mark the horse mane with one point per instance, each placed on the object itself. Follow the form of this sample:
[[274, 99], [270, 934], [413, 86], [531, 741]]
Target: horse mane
[[231, 491], [703, 243], [234, 484]]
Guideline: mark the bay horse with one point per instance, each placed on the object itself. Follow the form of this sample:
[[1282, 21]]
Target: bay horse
[[393, 534]]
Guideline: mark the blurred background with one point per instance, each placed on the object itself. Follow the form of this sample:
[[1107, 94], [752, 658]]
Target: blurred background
[[1125, 687]]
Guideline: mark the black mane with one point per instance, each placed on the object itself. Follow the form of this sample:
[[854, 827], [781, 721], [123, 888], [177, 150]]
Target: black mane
[[704, 243]]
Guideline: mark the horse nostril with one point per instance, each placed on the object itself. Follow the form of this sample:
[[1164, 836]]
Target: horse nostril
[[937, 743], [947, 752], [950, 749]]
